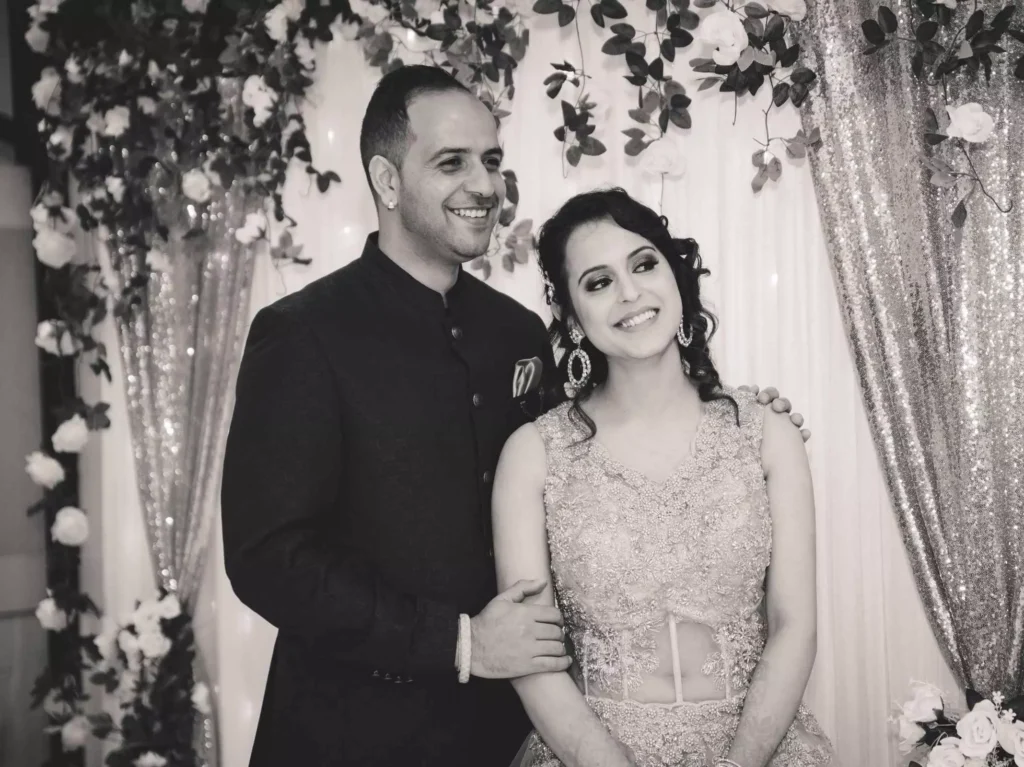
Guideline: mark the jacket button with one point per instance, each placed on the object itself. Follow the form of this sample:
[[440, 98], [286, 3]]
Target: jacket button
[[487, 477], [376, 674], [456, 332], [387, 677], [477, 400]]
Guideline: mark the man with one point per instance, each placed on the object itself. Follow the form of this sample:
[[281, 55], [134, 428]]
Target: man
[[370, 411]]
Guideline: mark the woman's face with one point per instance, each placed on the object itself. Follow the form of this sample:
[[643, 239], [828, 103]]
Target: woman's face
[[623, 291]]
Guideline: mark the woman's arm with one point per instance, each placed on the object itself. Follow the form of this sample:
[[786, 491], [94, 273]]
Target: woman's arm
[[781, 675], [552, 700]]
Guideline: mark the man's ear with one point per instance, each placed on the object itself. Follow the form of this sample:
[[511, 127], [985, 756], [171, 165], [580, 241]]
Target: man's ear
[[385, 180]]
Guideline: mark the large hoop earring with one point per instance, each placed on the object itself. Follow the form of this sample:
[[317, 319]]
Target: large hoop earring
[[684, 338], [575, 385]]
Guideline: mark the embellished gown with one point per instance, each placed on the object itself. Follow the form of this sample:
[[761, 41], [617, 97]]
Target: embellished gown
[[661, 586]]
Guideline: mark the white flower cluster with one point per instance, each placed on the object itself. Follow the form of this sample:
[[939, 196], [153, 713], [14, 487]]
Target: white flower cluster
[[978, 732], [36, 37]]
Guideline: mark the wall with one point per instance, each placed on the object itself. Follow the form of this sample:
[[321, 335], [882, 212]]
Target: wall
[[22, 562]]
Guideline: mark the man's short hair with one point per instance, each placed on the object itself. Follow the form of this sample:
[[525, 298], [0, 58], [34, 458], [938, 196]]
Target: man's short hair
[[385, 129]]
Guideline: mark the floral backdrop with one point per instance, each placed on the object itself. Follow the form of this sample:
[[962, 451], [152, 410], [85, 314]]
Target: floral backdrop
[[152, 111]]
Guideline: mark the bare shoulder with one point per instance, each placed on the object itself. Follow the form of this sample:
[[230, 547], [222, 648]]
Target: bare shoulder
[[523, 457]]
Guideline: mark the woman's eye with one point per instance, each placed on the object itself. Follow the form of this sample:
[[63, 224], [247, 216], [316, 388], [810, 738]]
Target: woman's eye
[[646, 265], [597, 284]]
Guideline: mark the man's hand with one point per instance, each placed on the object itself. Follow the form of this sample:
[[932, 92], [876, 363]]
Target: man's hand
[[779, 405], [512, 639]]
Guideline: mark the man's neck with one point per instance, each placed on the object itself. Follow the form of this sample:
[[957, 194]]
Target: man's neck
[[433, 272]]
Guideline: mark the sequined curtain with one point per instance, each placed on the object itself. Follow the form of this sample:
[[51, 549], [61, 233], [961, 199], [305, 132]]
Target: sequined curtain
[[180, 353], [933, 324]]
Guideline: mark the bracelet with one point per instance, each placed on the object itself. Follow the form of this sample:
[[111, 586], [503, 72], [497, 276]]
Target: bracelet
[[723, 762], [466, 649]]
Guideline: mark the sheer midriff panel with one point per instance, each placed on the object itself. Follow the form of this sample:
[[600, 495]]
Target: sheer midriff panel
[[688, 680]]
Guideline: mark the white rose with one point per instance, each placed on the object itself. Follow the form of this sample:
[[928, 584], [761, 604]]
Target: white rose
[[74, 733], [910, 734], [37, 38], [946, 754], [926, 701], [1011, 738], [146, 619], [970, 122], [169, 607], [951, 4], [44, 470], [46, 92], [795, 9], [146, 104], [53, 248], [124, 59], [293, 8], [725, 33], [51, 617], [437, 17], [128, 642], [153, 71], [260, 97], [70, 527], [71, 435], [49, 6], [149, 759], [254, 228], [373, 13], [126, 685], [96, 123], [158, 261], [201, 698], [276, 22], [116, 121], [195, 6], [154, 645], [73, 69], [115, 187], [977, 730], [426, 7], [60, 140], [662, 158], [304, 53], [196, 186], [53, 337]]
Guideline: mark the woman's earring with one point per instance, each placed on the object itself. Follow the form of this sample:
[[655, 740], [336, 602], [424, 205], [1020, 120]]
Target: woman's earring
[[575, 385], [684, 338]]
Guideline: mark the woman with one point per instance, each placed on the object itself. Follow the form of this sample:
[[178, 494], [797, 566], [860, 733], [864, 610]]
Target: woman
[[655, 502]]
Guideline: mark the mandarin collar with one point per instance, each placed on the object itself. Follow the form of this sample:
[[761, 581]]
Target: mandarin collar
[[408, 287]]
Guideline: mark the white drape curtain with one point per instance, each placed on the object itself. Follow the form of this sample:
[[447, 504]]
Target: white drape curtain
[[772, 290]]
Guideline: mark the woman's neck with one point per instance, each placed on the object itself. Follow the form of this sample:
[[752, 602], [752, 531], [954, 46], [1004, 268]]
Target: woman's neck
[[648, 389]]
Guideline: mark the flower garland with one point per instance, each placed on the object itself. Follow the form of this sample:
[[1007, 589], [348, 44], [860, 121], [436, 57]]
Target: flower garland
[[154, 109], [751, 45], [989, 734], [943, 48]]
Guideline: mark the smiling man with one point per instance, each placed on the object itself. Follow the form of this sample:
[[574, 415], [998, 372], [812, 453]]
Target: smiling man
[[370, 412]]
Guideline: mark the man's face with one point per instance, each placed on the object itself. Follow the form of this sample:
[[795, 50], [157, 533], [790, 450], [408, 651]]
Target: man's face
[[450, 187]]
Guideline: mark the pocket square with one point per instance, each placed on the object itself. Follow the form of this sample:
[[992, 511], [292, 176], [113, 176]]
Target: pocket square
[[526, 377]]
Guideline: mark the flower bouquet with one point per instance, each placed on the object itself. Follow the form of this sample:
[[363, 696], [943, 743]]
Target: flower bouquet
[[989, 734]]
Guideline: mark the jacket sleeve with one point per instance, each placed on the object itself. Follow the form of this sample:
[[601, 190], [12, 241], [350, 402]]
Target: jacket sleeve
[[281, 489]]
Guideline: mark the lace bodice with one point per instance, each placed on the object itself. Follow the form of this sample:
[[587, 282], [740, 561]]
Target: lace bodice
[[632, 559]]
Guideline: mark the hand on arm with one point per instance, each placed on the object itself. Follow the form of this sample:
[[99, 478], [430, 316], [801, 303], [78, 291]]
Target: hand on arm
[[770, 396], [554, 703], [781, 675], [281, 486]]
